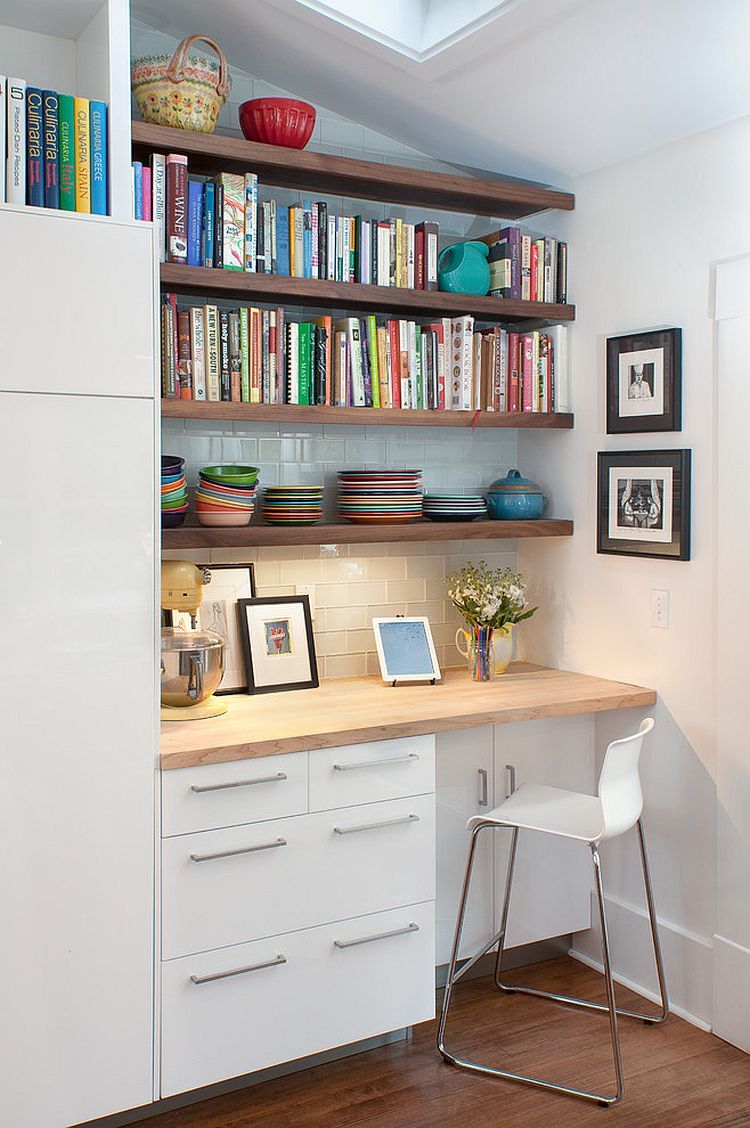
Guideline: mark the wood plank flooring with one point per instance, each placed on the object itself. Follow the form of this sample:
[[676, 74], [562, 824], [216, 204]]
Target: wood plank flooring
[[675, 1074]]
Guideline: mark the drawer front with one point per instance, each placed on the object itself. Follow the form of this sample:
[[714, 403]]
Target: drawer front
[[230, 886], [256, 1005], [243, 791], [369, 773]]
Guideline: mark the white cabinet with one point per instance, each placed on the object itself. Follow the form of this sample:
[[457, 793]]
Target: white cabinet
[[77, 753], [464, 788]]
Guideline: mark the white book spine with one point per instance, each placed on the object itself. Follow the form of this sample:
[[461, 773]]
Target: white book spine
[[198, 352], [384, 255], [267, 246], [346, 246], [331, 256], [467, 333], [272, 221], [413, 366], [159, 189], [16, 141], [3, 132], [251, 221], [476, 369], [558, 335], [410, 255], [403, 336]]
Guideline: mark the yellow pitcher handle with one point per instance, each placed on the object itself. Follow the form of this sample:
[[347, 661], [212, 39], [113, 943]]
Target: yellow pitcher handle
[[460, 631]]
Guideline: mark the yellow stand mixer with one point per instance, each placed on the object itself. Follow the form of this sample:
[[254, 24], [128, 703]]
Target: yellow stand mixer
[[192, 661]]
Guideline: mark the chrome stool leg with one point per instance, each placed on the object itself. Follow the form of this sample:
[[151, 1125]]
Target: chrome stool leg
[[506, 906], [566, 1000], [611, 1005]]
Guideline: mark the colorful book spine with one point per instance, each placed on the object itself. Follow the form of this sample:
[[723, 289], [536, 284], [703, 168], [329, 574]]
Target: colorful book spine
[[213, 367], [235, 358], [176, 208], [198, 351], [16, 142], [314, 242], [514, 373], [322, 239], [251, 220], [148, 194], [218, 225], [244, 356], [282, 241], [159, 207], [224, 370], [34, 147], [169, 359], [525, 268], [194, 222], [307, 239], [372, 335], [232, 220], [562, 273], [137, 190], [51, 149], [304, 362], [209, 224], [528, 393], [184, 360], [98, 120], [83, 155]]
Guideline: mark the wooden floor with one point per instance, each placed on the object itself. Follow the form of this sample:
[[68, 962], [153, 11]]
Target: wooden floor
[[676, 1075]]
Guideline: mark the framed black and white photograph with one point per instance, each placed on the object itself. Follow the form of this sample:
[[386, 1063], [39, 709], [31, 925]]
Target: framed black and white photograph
[[278, 643], [644, 503], [405, 648], [218, 612], [644, 382]]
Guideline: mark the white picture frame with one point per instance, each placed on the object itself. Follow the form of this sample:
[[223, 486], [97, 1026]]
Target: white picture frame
[[406, 652]]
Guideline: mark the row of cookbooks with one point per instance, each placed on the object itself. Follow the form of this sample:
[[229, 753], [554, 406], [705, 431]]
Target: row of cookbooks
[[54, 148], [222, 223], [253, 355]]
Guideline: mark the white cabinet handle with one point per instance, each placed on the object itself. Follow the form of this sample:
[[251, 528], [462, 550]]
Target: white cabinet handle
[[511, 776], [243, 850], [239, 783], [377, 936], [375, 825], [199, 979], [483, 800], [376, 763]]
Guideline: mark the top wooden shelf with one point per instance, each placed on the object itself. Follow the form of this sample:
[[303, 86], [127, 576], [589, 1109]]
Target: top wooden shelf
[[209, 153]]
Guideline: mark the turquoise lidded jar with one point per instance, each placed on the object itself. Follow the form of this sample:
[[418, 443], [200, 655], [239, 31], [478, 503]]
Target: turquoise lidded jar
[[463, 268], [515, 498]]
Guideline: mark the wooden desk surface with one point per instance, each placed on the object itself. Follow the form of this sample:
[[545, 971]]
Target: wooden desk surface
[[354, 710]]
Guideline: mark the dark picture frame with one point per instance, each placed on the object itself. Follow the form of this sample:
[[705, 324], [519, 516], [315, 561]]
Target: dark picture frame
[[644, 503], [227, 625], [277, 632], [644, 382]]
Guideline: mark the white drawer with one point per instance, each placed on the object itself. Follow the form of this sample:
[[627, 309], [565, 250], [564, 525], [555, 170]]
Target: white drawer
[[241, 791], [367, 773], [263, 879], [319, 997]]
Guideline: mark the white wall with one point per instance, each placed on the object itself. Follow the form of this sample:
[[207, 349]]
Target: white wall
[[645, 237]]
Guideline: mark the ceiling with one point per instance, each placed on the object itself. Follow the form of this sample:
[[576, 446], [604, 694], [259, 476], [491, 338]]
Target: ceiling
[[542, 89]]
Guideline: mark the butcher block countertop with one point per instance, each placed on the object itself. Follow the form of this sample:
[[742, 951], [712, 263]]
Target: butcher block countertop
[[355, 710]]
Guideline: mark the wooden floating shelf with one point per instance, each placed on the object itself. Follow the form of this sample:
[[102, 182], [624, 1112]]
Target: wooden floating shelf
[[377, 416], [209, 153], [203, 280], [253, 536]]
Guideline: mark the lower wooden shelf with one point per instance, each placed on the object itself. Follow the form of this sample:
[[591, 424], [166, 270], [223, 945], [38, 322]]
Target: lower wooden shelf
[[252, 536]]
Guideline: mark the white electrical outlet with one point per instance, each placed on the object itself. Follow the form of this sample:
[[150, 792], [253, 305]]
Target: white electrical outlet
[[660, 608], [309, 591]]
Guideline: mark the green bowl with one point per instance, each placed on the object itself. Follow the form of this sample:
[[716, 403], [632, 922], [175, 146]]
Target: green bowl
[[231, 475], [174, 503]]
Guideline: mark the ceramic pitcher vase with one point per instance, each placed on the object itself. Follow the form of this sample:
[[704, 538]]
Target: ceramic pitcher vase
[[487, 651]]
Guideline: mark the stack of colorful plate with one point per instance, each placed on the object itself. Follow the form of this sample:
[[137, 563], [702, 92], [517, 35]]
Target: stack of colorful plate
[[225, 495], [454, 507], [174, 501], [293, 505], [386, 497]]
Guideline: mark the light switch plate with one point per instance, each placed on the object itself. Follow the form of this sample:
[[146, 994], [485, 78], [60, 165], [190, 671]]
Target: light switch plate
[[660, 616]]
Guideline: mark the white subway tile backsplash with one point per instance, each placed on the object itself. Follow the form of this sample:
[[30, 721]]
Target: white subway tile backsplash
[[346, 666]]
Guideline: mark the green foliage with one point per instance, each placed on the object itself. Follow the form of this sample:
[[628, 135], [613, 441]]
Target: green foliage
[[489, 597]]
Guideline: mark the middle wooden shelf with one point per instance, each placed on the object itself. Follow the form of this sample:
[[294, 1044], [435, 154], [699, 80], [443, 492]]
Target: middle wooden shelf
[[203, 281]]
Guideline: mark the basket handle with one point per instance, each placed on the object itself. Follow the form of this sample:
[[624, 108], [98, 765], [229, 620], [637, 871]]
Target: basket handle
[[180, 57]]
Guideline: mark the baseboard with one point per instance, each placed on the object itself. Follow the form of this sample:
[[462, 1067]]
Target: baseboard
[[688, 959], [732, 992]]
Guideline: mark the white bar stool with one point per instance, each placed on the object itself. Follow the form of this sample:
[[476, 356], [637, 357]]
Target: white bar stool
[[589, 819]]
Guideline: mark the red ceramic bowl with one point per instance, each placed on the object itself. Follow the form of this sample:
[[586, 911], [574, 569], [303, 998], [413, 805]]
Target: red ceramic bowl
[[278, 121]]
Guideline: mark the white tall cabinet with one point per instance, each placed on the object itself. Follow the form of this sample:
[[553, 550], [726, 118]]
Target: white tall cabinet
[[78, 670]]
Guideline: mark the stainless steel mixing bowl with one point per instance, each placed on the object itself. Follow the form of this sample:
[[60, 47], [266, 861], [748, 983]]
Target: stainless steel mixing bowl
[[192, 666]]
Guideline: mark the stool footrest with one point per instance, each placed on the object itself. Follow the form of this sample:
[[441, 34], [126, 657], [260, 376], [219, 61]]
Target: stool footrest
[[568, 1001]]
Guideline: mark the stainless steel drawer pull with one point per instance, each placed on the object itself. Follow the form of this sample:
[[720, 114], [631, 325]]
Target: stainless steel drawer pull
[[375, 825], [243, 850], [199, 979], [376, 763], [378, 936], [239, 783]]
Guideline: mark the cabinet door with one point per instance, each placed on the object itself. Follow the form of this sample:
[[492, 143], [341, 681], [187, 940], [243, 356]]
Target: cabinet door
[[77, 301], [552, 881], [464, 763], [78, 697]]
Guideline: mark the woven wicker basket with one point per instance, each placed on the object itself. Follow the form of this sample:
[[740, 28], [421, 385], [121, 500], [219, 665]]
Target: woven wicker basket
[[183, 92]]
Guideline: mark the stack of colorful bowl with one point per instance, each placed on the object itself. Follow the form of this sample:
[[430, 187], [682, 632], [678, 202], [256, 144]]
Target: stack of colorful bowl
[[380, 497], [293, 505], [454, 507], [225, 495], [173, 491]]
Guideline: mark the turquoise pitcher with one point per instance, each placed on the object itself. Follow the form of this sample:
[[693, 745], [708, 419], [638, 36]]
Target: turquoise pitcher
[[463, 268]]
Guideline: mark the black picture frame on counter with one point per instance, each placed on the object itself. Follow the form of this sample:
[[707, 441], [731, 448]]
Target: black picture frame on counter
[[644, 382], [278, 643], [644, 503], [218, 613]]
